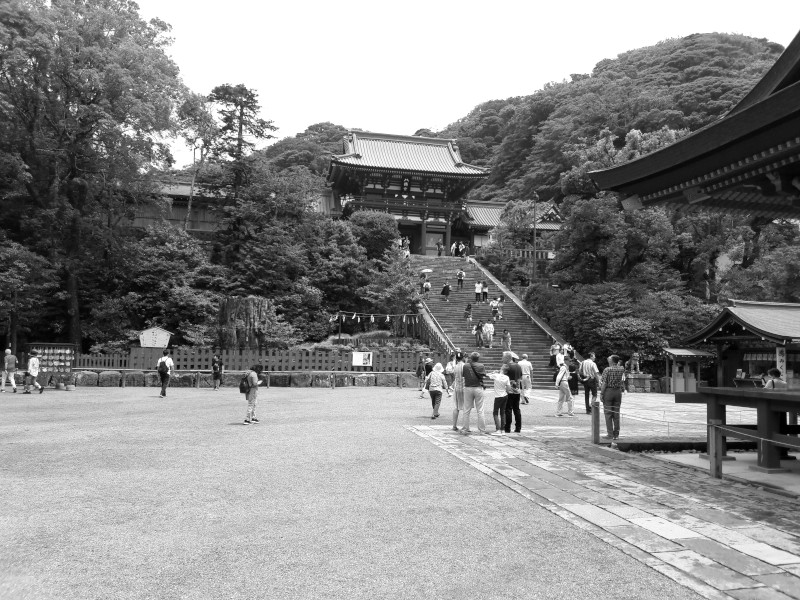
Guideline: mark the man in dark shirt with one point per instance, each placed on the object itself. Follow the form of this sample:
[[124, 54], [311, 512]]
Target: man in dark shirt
[[612, 383], [474, 374], [512, 405]]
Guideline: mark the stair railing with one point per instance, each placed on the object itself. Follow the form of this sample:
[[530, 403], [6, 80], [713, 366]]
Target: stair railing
[[532, 316], [434, 331]]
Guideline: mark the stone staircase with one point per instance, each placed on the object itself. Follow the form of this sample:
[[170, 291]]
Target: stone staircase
[[526, 336]]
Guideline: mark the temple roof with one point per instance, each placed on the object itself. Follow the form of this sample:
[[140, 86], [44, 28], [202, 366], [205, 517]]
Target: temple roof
[[773, 321], [488, 216], [403, 153], [748, 161]]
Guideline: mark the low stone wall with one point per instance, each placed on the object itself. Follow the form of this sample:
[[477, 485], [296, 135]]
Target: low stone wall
[[300, 379]]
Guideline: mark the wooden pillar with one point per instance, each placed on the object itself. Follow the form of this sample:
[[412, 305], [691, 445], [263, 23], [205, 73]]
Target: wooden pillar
[[720, 367], [424, 233], [769, 456], [447, 236], [715, 451]]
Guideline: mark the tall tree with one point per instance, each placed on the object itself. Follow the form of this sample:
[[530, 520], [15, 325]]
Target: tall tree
[[87, 93], [200, 132], [240, 127]]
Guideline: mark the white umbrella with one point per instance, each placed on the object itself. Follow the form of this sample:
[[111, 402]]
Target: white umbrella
[[514, 356], [426, 271]]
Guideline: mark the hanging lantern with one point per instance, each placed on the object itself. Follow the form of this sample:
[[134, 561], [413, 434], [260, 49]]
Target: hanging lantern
[[372, 318], [404, 318], [353, 317], [358, 320], [387, 318]]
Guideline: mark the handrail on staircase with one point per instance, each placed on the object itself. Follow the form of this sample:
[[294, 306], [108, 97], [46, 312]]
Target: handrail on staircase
[[451, 347], [532, 316]]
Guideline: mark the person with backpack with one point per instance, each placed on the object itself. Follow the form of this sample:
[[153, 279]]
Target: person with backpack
[[32, 373], [460, 278], [436, 382], [164, 368], [216, 371], [249, 387]]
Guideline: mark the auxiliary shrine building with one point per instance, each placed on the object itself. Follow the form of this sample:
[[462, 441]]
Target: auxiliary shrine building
[[421, 181]]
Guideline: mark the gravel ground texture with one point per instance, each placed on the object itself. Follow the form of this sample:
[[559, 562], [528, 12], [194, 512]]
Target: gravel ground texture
[[117, 493]]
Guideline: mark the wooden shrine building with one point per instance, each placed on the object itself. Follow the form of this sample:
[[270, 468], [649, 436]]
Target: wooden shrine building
[[422, 181], [751, 338], [747, 162]]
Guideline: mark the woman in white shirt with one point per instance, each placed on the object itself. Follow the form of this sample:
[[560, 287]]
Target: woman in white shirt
[[501, 385], [564, 395]]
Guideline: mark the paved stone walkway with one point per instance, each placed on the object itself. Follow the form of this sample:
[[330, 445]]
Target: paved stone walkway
[[645, 416], [717, 538]]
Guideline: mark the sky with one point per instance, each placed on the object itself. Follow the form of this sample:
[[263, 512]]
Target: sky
[[397, 67]]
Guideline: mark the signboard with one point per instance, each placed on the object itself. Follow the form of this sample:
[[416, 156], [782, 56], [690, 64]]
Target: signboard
[[362, 359], [780, 359], [155, 337], [55, 361]]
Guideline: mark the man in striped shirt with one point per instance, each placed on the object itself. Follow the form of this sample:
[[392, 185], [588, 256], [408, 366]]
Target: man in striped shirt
[[612, 382]]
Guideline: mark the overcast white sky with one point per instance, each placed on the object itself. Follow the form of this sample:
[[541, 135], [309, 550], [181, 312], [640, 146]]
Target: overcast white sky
[[396, 67]]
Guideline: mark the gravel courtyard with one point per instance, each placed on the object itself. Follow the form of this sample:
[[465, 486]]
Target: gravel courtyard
[[116, 493]]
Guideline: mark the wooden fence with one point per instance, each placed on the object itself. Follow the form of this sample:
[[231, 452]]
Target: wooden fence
[[199, 359]]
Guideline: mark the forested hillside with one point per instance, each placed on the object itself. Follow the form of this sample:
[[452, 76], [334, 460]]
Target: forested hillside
[[679, 83], [646, 278]]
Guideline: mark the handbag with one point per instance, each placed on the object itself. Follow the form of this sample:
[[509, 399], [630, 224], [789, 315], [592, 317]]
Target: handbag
[[428, 382]]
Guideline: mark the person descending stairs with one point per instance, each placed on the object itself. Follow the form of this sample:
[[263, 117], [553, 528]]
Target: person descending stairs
[[526, 336]]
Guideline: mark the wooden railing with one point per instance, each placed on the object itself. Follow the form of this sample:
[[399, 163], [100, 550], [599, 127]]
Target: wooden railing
[[199, 359], [432, 333], [542, 254]]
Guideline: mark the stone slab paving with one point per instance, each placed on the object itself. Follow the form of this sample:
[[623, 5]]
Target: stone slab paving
[[719, 538], [644, 416]]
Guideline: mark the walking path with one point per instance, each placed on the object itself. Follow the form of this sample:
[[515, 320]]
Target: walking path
[[719, 539]]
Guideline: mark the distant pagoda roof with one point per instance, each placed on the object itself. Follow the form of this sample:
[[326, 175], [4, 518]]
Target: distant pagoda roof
[[405, 154], [747, 162], [485, 216]]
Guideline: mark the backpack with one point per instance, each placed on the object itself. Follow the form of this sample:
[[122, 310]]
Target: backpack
[[244, 384], [163, 368]]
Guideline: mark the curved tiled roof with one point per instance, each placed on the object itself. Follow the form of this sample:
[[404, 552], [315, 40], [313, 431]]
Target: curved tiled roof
[[489, 216], [775, 321], [405, 153]]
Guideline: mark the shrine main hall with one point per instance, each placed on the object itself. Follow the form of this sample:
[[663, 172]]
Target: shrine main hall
[[421, 181]]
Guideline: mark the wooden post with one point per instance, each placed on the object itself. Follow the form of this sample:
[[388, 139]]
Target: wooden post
[[715, 448], [595, 422]]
